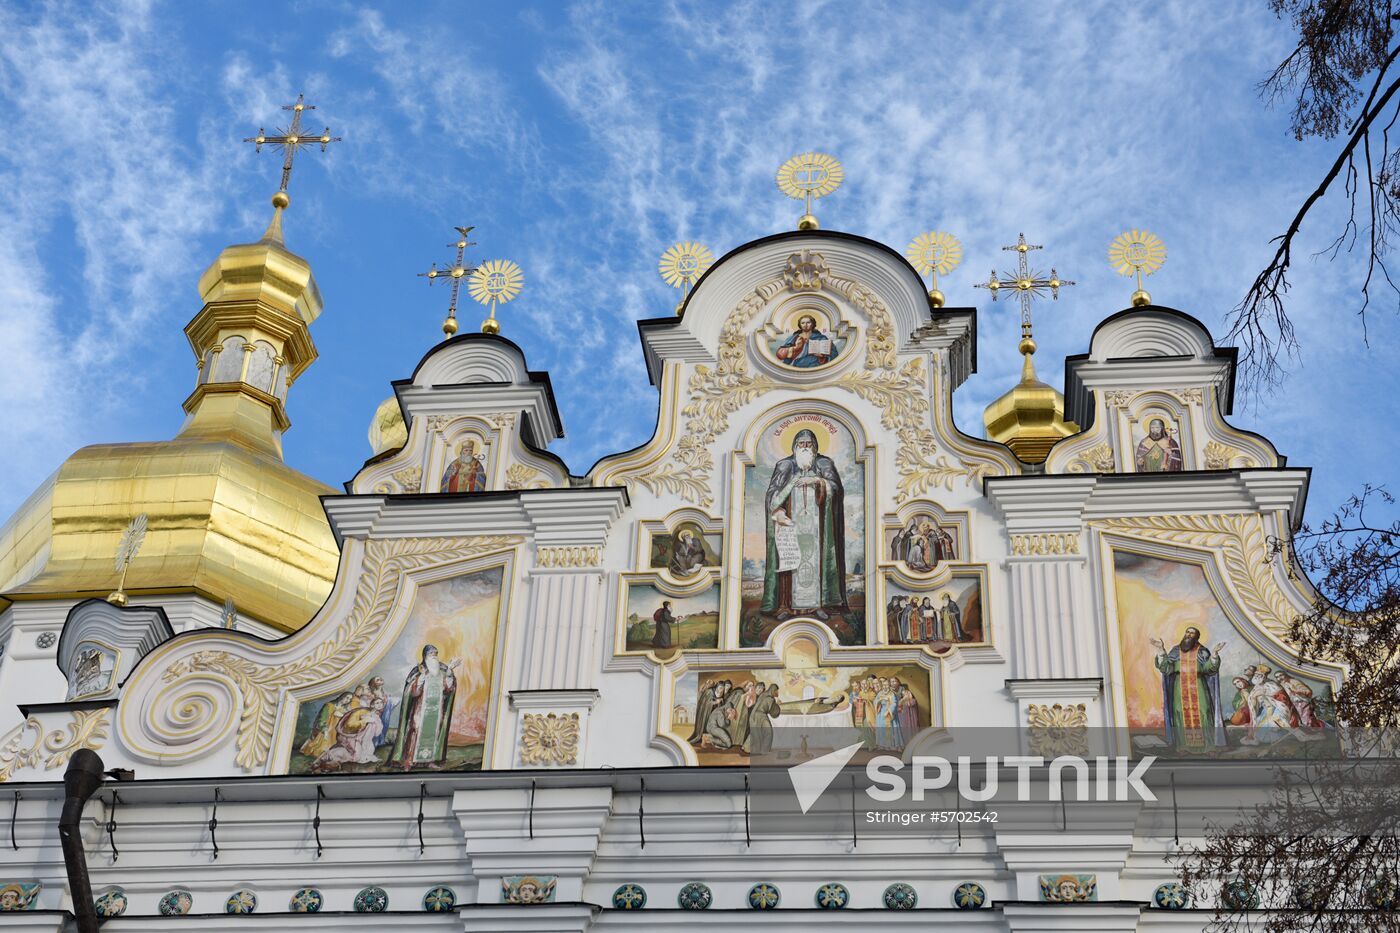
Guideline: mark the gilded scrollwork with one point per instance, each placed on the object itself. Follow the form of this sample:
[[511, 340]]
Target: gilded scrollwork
[[1097, 459], [259, 686], [1046, 544], [410, 479], [1190, 396], [804, 271], [1220, 456], [88, 729], [1058, 729], [549, 739], [521, 476], [1118, 398], [580, 555], [1242, 544]]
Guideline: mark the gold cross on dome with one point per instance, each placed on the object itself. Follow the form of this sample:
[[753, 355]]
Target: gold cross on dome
[[1028, 284], [291, 139], [455, 274]]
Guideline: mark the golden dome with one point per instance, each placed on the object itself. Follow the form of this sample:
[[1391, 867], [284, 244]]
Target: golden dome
[[227, 518], [1029, 419], [386, 429]]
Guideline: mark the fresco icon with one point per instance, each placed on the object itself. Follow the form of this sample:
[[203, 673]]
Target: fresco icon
[[804, 539]]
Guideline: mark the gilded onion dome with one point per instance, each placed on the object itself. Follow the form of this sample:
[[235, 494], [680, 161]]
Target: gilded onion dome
[[227, 517], [387, 430], [1029, 419]]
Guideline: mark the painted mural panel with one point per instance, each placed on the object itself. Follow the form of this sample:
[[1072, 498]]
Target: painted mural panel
[[936, 616], [1156, 448], [686, 552], [922, 543], [665, 624], [808, 339], [426, 703], [804, 530], [1194, 685], [800, 710], [466, 471], [92, 670]]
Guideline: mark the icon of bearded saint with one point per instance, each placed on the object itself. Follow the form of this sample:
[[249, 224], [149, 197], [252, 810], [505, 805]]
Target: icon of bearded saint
[[1158, 452], [805, 566]]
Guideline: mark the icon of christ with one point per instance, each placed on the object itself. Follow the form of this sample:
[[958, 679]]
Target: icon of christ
[[805, 567], [807, 346]]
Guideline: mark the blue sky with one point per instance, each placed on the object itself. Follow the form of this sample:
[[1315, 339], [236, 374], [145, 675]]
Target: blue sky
[[582, 139]]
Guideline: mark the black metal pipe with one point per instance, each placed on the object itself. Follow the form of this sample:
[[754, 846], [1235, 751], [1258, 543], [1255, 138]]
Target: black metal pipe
[[80, 782]]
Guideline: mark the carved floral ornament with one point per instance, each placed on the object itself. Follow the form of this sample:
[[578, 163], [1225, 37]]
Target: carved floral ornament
[[549, 739], [1044, 544], [900, 392], [1240, 541], [580, 555], [203, 696], [88, 729], [1057, 716]]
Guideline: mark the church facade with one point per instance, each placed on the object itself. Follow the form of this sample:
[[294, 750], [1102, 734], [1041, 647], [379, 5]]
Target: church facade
[[532, 700]]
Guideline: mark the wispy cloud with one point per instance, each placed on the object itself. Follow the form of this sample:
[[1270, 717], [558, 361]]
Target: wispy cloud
[[105, 183], [585, 139]]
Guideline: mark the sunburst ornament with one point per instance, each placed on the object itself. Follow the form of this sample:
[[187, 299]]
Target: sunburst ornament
[[1139, 253], [807, 176], [495, 282], [682, 264], [933, 254], [132, 539]]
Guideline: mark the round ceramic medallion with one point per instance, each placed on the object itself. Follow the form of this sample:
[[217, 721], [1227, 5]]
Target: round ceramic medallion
[[969, 896], [371, 900], [241, 902], [630, 897], [1239, 895], [46, 640], [175, 904], [764, 896], [1384, 894], [833, 896], [1171, 896], [111, 904], [306, 901], [439, 900], [695, 896], [1309, 897], [900, 896]]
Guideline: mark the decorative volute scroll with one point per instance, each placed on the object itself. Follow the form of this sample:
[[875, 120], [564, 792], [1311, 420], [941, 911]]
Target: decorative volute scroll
[[1152, 395], [191, 694]]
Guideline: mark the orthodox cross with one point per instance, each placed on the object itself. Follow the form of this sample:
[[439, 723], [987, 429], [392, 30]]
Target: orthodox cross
[[291, 139], [1029, 285], [456, 273]]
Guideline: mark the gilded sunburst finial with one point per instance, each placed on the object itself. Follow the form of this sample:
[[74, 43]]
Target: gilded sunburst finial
[[1137, 252], [933, 254], [495, 282], [682, 264], [807, 176]]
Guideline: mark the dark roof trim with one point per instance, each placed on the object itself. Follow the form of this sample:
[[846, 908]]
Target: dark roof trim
[[540, 377], [1231, 354]]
